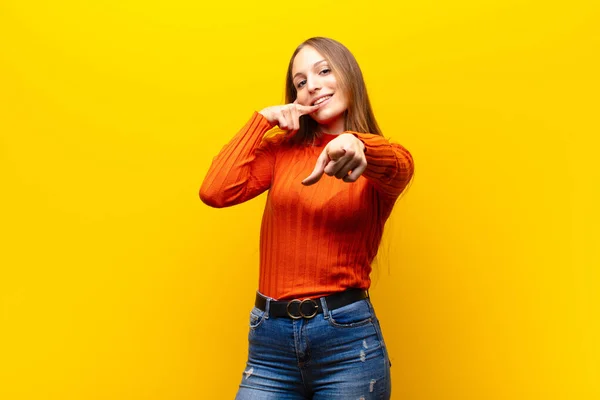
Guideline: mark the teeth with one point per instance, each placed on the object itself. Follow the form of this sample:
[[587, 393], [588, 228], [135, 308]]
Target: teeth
[[322, 99]]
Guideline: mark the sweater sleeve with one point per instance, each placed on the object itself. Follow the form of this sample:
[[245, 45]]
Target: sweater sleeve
[[390, 166], [243, 169]]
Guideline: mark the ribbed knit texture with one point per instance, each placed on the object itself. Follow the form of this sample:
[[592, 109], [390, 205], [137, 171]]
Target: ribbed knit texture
[[314, 240]]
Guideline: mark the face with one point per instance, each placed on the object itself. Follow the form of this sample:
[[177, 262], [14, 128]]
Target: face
[[315, 83]]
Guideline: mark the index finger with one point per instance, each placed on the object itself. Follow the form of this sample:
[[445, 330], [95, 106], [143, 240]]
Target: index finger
[[318, 171], [303, 110]]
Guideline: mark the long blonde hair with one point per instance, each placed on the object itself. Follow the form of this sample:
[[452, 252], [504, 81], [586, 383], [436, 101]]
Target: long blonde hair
[[359, 116]]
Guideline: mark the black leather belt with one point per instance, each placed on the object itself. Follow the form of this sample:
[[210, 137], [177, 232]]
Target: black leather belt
[[308, 308]]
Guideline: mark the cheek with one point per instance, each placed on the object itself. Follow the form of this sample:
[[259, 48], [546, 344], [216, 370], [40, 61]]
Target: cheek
[[302, 99], [339, 105], [343, 102]]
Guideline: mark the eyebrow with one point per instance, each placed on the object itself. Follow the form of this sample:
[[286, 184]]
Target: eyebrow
[[314, 65]]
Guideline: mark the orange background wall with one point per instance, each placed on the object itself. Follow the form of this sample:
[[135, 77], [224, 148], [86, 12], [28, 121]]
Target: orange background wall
[[117, 283]]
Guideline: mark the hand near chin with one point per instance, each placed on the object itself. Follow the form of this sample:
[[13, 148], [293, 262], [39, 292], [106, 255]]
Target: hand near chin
[[287, 116], [343, 157]]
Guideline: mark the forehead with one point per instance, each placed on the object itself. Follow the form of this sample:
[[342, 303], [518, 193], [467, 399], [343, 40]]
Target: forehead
[[305, 59]]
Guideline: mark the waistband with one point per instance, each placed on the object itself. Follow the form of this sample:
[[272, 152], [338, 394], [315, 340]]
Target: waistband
[[308, 308]]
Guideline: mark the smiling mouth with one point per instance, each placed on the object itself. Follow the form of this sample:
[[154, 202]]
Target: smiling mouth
[[322, 99]]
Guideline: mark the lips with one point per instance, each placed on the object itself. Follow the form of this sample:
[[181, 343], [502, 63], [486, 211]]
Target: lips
[[322, 99]]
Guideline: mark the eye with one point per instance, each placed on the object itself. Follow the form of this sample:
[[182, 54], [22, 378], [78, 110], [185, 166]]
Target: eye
[[325, 71], [301, 83]]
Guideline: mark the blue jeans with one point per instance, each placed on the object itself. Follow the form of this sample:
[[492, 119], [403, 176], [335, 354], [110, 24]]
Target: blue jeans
[[338, 355]]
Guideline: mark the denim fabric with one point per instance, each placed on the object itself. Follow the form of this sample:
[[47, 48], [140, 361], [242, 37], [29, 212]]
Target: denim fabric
[[337, 355]]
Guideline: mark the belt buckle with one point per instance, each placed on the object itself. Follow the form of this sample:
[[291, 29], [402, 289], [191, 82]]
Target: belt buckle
[[300, 304]]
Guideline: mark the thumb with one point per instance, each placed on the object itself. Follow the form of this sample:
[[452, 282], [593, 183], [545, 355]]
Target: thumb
[[317, 173]]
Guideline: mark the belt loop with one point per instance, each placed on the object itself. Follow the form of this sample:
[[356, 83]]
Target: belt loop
[[324, 307], [267, 308], [267, 303], [368, 299]]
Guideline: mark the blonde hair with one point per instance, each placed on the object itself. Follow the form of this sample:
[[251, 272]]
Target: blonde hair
[[359, 116]]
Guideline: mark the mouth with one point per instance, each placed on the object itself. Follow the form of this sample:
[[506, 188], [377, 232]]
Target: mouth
[[322, 99]]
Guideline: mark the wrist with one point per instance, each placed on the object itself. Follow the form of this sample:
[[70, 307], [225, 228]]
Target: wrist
[[267, 115]]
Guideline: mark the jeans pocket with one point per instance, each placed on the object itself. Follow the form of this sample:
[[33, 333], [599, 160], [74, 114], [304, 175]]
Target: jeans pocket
[[352, 315], [256, 317]]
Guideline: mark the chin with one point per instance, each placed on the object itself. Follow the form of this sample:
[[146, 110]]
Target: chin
[[327, 117]]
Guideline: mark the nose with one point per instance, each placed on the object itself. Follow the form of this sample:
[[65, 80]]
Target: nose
[[313, 84]]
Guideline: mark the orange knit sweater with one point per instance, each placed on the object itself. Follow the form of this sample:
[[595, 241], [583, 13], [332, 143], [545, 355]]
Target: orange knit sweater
[[314, 240]]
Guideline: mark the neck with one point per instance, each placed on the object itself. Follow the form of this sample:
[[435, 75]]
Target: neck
[[334, 128]]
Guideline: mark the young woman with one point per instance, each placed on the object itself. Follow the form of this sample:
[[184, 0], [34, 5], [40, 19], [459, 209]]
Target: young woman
[[313, 331]]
